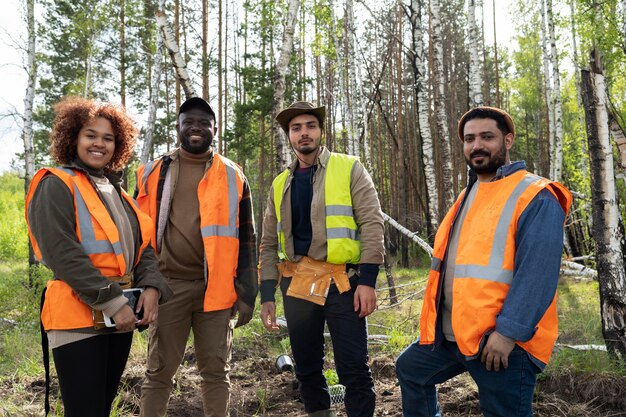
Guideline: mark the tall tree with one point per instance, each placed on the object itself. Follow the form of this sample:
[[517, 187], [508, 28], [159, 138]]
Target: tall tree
[[608, 229], [283, 157], [475, 67], [557, 104], [422, 108], [439, 103], [27, 118]]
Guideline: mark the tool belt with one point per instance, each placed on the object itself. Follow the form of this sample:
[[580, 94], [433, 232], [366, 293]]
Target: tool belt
[[125, 281], [311, 279]]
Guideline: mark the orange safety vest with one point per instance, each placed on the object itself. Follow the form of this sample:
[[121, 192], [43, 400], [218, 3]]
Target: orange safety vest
[[220, 191], [99, 238], [484, 264]]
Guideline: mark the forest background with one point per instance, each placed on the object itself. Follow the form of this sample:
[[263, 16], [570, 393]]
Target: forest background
[[394, 76]]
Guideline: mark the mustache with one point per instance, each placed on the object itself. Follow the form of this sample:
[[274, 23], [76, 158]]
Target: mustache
[[480, 153]]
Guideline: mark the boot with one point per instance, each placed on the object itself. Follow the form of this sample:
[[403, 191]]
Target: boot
[[323, 413]]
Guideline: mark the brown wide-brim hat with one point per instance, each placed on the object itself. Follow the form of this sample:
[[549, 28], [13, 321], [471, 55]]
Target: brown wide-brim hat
[[299, 107], [480, 109]]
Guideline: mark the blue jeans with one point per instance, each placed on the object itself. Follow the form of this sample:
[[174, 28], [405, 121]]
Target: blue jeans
[[305, 322], [506, 393]]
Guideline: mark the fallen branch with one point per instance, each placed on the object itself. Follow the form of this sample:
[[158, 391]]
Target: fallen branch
[[572, 268], [411, 235]]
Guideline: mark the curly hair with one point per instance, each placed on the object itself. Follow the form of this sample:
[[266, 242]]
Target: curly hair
[[72, 113]]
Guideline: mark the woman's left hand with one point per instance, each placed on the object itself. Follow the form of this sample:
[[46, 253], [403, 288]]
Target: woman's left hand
[[149, 301]]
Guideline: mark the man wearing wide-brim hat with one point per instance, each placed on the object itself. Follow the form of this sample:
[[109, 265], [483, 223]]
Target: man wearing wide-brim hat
[[322, 244]]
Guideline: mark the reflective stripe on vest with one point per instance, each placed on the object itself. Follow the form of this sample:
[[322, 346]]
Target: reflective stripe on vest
[[233, 209], [63, 309], [219, 193], [147, 183], [279, 190], [480, 287], [341, 228], [90, 244], [494, 271]]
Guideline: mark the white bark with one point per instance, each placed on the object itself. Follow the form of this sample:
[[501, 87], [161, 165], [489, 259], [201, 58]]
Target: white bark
[[351, 89], [624, 26], [411, 235], [557, 171], [169, 39], [617, 132], [582, 164], [547, 86], [282, 149], [154, 100], [29, 97], [423, 109], [573, 268], [607, 228], [440, 104], [475, 67]]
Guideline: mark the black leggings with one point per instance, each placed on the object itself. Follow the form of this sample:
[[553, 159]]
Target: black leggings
[[89, 373]]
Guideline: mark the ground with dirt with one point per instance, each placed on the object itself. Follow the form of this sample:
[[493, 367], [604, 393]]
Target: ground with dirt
[[259, 389]]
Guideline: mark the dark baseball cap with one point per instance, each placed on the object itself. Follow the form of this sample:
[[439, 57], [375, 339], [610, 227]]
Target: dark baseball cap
[[197, 103]]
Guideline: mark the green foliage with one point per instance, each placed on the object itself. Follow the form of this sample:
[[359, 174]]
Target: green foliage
[[579, 312], [331, 377], [13, 236], [571, 361]]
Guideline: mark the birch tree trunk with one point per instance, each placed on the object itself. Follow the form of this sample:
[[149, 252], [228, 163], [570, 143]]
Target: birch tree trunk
[[624, 26], [422, 106], [582, 164], [557, 105], [205, 47], [154, 100], [283, 157], [548, 90], [123, 52], [352, 90], [475, 81], [607, 227], [169, 40], [27, 118], [440, 104]]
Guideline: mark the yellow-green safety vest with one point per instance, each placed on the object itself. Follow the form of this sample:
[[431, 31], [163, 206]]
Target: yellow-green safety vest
[[343, 245]]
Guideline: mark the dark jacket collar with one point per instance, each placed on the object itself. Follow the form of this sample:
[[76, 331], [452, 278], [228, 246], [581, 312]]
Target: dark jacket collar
[[502, 172], [114, 177]]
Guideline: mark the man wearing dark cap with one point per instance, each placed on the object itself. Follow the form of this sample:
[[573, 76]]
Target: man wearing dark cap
[[323, 227], [490, 303], [204, 236]]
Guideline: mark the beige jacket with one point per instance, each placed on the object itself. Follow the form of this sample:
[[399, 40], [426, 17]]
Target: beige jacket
[[367, 214]]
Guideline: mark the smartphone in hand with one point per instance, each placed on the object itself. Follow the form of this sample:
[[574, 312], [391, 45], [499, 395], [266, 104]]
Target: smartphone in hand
[[132, 294]]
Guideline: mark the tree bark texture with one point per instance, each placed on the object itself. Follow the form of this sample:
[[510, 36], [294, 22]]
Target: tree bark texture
[[440, 105], [475, 71], [283, 156], [154, 100], [180, 67], [557, 104], [420, 86], [27, 118], [607, 227]]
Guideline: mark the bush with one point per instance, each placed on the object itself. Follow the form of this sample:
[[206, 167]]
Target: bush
[[13, 231]]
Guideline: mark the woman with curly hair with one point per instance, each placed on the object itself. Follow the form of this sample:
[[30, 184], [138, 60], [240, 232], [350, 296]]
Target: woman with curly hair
[[88, 231]]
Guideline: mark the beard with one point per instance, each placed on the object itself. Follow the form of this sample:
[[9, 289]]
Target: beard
[[490, 165], [196, 148]]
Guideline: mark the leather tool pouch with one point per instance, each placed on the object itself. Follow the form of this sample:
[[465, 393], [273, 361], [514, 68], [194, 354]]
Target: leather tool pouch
[[311, 279], [125, 282]]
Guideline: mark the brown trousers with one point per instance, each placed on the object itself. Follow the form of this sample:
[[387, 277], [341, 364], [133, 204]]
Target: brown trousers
[[212, 337]]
